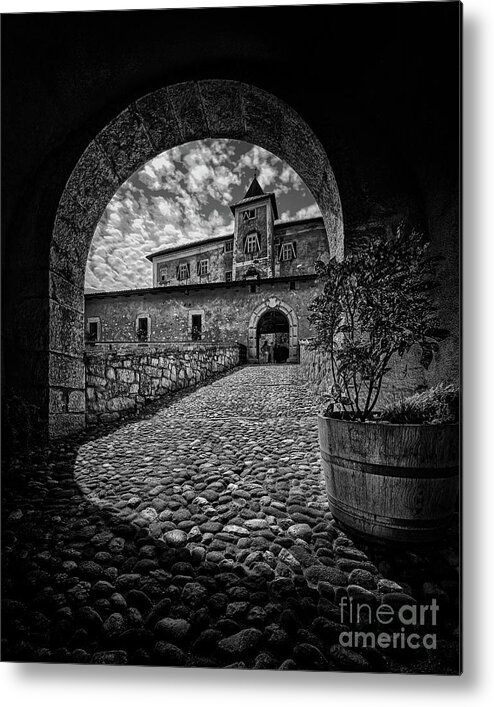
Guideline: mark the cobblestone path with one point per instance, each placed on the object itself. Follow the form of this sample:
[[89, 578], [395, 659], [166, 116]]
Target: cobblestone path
[[201, 536]]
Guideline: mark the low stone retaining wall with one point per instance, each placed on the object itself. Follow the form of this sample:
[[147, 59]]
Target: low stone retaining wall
[[119, 383], [405, 377]]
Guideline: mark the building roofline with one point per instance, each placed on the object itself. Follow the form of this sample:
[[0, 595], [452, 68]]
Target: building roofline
[[296, 222], [198, 286], [258, 197], [188, 246], [218, 239]]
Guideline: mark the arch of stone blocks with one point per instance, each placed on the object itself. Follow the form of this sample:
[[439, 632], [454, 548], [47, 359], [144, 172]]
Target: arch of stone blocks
[[153, 124], [259, 311]]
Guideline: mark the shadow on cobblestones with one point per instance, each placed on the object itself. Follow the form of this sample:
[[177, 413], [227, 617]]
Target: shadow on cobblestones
[[199, 535]]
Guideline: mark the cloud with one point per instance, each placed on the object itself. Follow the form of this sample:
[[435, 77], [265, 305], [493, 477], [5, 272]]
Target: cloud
[[181, 196], [311, 211]]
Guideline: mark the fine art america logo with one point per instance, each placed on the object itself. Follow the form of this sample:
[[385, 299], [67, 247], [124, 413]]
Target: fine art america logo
[[393, 627]]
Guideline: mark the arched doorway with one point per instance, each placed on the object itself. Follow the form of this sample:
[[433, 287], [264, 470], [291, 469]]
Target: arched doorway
[[273, 334], [276, 317], [153, 124]]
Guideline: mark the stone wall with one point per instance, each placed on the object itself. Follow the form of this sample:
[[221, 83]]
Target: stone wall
[[405, 377], [309, 234], [120, 383], [225, 309]]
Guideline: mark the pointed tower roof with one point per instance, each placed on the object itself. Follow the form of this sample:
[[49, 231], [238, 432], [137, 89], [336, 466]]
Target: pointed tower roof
[[253, 193], [255, 189]]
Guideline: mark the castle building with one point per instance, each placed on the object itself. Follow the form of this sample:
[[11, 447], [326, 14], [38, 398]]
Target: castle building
[[249, 287]]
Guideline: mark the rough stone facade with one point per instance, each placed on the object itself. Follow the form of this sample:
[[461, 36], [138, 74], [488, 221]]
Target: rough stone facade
[[226, 310], [120, 383], [261, 300], [309, 236], [215, 252]]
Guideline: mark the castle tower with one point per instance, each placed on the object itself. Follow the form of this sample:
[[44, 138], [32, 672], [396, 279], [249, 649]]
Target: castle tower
[[253, 250]]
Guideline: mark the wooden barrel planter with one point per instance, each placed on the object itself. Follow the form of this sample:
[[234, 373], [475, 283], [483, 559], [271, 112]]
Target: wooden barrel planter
[[390, 483]]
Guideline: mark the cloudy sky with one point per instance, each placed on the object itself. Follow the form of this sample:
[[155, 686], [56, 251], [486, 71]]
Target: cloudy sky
[[181, 196]]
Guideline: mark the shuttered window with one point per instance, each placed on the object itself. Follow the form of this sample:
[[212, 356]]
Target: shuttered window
[[202, 267], [251, 243], [287, 251], [183, 271]]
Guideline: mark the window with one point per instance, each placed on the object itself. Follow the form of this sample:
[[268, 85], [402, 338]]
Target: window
[[248, 214], [93, 329], [202, 267], [142, 328], [229, 247], [183, 271], [292, 285], [288, 251], [196, 328], [251, 243], [162, 274], [228, 276]]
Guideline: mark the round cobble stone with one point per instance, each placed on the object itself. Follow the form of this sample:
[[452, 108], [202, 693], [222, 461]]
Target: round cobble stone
[[220, 548]]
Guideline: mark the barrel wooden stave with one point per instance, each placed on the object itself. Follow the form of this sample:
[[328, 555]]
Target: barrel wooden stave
[[396, 483]]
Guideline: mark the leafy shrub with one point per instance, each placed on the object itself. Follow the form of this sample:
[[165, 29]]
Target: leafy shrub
[[375, 304], [437, 405]]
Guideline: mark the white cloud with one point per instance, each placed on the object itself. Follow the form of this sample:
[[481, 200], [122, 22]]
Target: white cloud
[[180, 196], [311, 211]]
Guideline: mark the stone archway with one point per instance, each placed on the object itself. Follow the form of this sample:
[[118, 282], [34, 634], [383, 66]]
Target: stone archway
[[273, 328], [154, 123], [260, 311]]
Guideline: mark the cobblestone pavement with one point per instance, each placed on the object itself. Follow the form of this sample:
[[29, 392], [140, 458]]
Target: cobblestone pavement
[[200, 535]]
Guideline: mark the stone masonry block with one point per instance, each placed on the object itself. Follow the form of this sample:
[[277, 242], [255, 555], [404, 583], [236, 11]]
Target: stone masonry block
[[76, 402], [93, 182], [127, 143], [222, 101], [58, 400], [66, 371], [156, 113], [119, 404], [125, 375], [263, 119], [187, 106], [66, 293], [62, 424], [66, 329]]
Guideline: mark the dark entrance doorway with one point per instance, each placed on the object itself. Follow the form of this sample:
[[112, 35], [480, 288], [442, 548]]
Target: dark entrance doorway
[[273, 332], [196, 327]]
